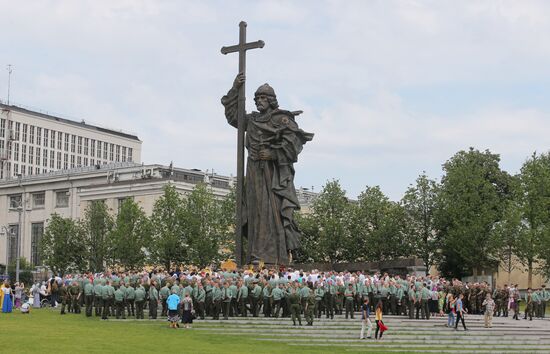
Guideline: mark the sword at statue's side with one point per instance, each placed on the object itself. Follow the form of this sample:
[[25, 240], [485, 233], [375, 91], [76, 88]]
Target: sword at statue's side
[[241, 48]]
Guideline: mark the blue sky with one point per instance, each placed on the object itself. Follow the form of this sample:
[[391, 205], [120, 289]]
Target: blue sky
[[390, 88]]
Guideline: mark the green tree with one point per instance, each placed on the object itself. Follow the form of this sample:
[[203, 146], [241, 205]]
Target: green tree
[[506, 235], [130, 237], [168, 246], [474, 191], [330, 215], [206, 228], [376, 228], [419, 204], [62, 247], [534, 200], [309, 251], [96, 225]]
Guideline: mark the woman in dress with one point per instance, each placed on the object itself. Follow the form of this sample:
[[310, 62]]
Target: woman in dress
[[7, 301], [18, 294], [35, 291], [187, 306], [173, 302]]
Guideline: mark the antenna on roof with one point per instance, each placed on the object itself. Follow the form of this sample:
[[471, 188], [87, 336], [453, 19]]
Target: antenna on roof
[[9, 68]]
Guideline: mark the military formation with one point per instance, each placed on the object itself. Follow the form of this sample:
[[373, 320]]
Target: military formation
[[290, 294]]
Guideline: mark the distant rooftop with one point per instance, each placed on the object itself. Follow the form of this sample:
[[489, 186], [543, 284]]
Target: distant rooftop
[[81, 124]]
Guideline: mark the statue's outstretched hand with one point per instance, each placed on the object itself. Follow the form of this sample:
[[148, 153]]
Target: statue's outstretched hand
[[239, 80]]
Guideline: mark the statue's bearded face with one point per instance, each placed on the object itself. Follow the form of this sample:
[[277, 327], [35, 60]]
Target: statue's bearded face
[[262, 103]]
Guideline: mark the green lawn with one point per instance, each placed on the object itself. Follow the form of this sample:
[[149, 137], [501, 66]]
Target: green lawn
[[46, 331]]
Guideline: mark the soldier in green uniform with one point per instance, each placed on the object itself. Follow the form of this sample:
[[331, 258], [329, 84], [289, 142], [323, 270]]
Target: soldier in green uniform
[[208, 299], [163, 294], [304, 295], [226, 300], [349, 295], [107, 299], [330, 293], [216, 301], [89, 298], [139, 300], [497, 297], [412, 302], [130, 300], [319, 295], [424, 301], [200, 299], [267, 300], [545, 296], [294, 300], [119, 303], [400, 300], [242, 298], [392, 290], [98, 299], [339, 301], [277, 295], [309, 310], [74, 291], [529, 304], [256, 294], [233, 307], [65, 297], [153, 300], [385, 297]]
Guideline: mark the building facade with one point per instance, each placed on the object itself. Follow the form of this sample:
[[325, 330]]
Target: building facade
[[36, 143]]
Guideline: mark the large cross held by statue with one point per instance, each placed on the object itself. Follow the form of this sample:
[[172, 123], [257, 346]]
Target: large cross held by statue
[[241, 48]]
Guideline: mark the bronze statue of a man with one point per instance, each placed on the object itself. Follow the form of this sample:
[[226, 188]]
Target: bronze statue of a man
[[273, 141]]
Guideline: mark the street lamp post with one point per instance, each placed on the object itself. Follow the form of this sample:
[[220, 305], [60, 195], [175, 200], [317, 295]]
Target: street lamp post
[[18, 243]]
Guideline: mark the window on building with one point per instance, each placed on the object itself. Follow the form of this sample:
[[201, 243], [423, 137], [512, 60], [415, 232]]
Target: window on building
[[121, 202], [117, 154], [23, 153], [31, 134], [92, 147], [79, 161], [38, 136], [130, 157], [62, 199], [80, 145], [52, 139], [92, 162], [52, 159], [124, 154], [37, 231], [66, 147], [37, 170], [73, 142], [45, 158], [46, 134], [65, 161], [17, 130], [86, 142], [58, 160], [99, 149], [25, 129], [15, 169], [15, 201], [31, 155], [16, 151], [105, 152], [23, 170], [72, 161], [85, 161], [59, 140], [30, 170], [111, 152], [2, 127], [38, 200], [37, 156]]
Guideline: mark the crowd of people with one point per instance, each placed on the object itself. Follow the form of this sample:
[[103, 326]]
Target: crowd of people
[[185, 295]]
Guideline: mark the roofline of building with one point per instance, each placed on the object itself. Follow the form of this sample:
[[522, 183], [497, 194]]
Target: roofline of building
[[70, 122]]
